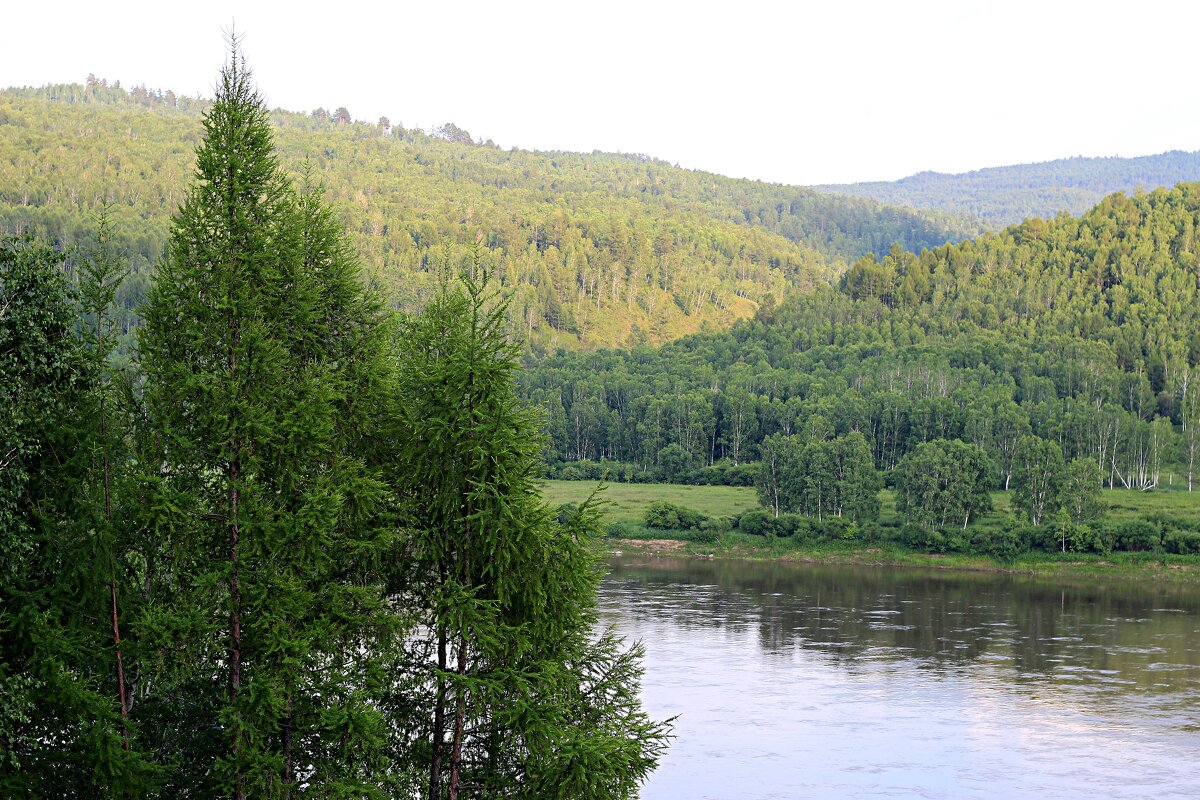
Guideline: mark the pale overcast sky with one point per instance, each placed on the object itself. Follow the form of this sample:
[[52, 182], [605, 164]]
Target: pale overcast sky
[[799, 92]]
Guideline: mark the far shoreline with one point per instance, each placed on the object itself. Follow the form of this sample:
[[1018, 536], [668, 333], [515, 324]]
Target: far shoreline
[[1140, 567]]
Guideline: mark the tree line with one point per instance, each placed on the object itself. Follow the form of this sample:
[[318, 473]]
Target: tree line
[[1082, 333], [293, 546]]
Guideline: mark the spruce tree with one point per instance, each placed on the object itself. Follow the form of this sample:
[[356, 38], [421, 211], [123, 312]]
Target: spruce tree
[[260, 349], [522, 700]]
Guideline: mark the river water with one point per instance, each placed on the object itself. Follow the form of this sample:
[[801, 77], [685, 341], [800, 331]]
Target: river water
[[798, 681]]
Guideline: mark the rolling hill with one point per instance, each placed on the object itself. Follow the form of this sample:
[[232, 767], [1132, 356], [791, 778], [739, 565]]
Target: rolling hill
[[594, 249]]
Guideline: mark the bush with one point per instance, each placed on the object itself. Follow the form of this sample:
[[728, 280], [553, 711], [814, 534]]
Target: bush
[[717, 524], [1004, 544], [741, 475], [1040, 537], [933, 541], [1182, 541], [790, 525], [1137, 536], [571, 472], [670, 517], [832, 528], [756, 523], [874, 532], [1090, 539]]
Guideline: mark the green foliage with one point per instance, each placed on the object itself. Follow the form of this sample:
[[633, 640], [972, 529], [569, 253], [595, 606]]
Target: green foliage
[[1002, 544], [820, 479], [1137, 535], [1037, 477], [1184, 542], [262, 358], [943, 483], [566, 513], [757, 523], [1090, 539], [593, 249], [516, 696], [933, 540], [791, 525], [237, 509], [61, 728], [1080, 332], [40, 369], [1079, 493], [668, 516]]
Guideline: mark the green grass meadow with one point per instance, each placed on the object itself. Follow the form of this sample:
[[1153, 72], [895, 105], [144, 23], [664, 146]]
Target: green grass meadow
[[627, 502]]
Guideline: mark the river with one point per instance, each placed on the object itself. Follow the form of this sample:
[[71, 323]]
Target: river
[[800, 681]]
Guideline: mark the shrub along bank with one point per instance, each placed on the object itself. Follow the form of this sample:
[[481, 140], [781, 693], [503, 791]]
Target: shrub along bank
[[1159, 540]]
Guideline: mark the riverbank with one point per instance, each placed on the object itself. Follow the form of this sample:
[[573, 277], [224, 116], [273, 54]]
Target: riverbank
[[1158, 567]]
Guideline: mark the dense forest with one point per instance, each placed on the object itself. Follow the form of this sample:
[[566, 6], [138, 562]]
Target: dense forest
[[1051, 342], [1002, 196], [295, 547], [593, 249]]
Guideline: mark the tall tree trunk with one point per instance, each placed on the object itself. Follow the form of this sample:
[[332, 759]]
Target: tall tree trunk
[[112, 581], [287, 774], [460, 714], [439, 716], [235, 630], [116, 635]]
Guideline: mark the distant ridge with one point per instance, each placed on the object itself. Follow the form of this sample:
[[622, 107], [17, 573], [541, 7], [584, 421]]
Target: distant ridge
[[1002, 196]]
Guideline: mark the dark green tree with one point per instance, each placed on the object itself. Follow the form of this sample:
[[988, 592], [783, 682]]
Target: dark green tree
[[100, 277], [521, 698], [62, 731], [258, 349]]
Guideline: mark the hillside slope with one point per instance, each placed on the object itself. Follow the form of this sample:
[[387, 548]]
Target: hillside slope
[[1083, 331], [1001, 196], [595, 249]]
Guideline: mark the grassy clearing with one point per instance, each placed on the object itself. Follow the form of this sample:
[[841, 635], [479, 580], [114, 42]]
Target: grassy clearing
[[627, 502]]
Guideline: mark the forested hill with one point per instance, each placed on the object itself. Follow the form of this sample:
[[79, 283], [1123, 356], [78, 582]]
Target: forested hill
[[1002, 196], [1082, 331], [595, 249]]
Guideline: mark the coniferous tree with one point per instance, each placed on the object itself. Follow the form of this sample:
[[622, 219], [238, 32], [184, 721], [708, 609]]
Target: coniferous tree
[[259, 349], [523, 701], [61, 729], [100, 277]]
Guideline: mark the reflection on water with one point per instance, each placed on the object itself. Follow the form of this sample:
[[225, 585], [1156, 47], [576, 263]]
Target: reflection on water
[[796, 681]]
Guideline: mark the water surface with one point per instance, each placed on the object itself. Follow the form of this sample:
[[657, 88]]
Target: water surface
[[797, 681]]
